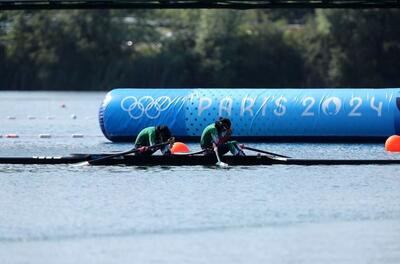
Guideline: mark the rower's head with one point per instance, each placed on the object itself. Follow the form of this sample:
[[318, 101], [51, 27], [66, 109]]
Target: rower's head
[[163, 132], [223, 124]]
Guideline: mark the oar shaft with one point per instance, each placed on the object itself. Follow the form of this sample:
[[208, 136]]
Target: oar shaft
[[217, 155], [219, 163], [113, 156], [190, 153], [126, 153], [265, 152]]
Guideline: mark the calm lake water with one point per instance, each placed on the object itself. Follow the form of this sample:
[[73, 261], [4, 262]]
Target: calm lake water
[[264, 214]]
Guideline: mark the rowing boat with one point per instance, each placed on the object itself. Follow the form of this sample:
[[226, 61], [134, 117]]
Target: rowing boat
[[190, 160]]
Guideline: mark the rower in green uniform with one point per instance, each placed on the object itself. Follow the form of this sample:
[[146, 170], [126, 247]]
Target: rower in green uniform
[[151, 136], [215, 139]]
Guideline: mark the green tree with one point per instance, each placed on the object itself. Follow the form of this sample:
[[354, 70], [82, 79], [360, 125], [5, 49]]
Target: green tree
[[245, 49], [354, 48]]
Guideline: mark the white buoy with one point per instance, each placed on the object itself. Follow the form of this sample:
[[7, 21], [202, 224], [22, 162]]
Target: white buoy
[[73, 116], [11, 117], [77, 136], [44, 136]]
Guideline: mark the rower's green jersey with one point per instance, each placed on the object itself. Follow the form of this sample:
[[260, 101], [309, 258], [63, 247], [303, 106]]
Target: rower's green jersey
[[146, 137], [209, 136]]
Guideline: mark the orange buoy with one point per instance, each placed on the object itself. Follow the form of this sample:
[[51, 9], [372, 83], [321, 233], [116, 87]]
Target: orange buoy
[[180, 147], [392, 144]]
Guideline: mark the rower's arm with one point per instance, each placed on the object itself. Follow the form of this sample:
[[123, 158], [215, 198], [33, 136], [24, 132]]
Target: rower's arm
[[215, 138], [165, 150], [152, 138], [223, 139]]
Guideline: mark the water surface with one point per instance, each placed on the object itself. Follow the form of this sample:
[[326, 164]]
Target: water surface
[[263, 214]]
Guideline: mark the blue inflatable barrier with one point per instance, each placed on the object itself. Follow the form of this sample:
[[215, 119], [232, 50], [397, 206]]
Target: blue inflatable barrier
[[255, 113]]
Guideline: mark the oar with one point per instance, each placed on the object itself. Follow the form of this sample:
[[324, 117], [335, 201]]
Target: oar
[[219, 163], [190, 153], [134, 150], [263, 151]]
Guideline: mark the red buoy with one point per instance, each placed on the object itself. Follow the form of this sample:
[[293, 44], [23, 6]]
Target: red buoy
[[180, 147], [392, 144]]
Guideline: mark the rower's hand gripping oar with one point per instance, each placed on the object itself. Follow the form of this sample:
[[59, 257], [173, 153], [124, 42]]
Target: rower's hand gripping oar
[[271, 154], [134, 150], [219, 163]]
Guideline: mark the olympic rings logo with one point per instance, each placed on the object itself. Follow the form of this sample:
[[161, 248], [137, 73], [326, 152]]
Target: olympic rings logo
[[145, 106]]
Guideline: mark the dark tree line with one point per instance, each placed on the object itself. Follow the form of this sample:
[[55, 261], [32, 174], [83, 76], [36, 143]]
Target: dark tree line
[[102, 49]]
